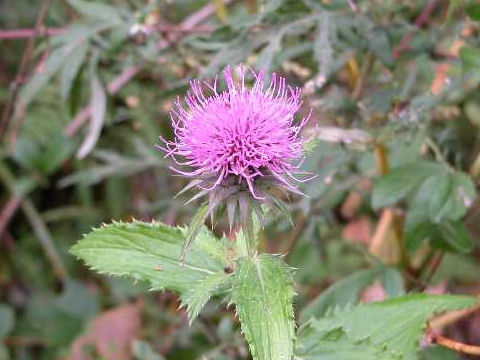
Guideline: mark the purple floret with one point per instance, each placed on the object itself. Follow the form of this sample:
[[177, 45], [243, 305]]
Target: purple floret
[[247, 134]]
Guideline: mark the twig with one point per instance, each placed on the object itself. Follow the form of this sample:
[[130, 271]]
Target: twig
[[28, 33], [23, 68], [361, 80], [353, 6], [437, 260], [45, 238], [8, 211], [39, 228], [442, 321], [443, 341], [25, 341], [189, 23], [421, 20]]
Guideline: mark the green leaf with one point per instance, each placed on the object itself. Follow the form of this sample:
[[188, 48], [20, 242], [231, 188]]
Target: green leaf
[[438, 353], [401, 182], [397, 323], [447, 235], [470, 58], [473, 10], [392, 282], [448, 196], [7, 320], [455, 236], [4, 353], [98, 106], [194, 228], [71, 69], [40, 79], [44, 158], [150, 252], [262, 293], [341, 293], [95, 9], [198, 295], [335, 345], [379, 44], [143, 351]]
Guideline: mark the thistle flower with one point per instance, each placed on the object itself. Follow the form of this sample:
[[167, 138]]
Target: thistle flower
[[242, 140]]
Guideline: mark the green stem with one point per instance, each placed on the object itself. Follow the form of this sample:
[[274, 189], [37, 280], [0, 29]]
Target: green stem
[[247, 240]]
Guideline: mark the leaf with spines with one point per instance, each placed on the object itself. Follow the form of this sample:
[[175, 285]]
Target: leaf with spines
[[336, 345], [397, 323], [151, 252], [197, 296], [193, 230], [262, 292]]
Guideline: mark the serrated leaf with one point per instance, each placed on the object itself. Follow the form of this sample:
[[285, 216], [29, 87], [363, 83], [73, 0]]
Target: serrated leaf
[[342, 293], [198, 295], [397, 323], [402, 181], [335, 345], [262, 293], [194, 228], [150, 252]]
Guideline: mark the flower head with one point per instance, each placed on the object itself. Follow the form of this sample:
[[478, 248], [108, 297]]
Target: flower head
[[241, 138]]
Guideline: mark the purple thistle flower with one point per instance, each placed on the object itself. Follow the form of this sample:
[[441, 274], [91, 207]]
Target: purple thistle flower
[[239, 138]]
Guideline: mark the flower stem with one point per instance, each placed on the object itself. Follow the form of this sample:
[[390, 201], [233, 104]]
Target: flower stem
[[247, 240]]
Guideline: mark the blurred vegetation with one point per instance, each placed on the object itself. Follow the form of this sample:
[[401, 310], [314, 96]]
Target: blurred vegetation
[[394, 90]]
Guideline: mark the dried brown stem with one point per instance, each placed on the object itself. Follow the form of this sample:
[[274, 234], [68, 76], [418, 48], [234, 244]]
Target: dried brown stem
[[443, 341], [442, 321], [8, 211], [28, 33], [188, 24], [23, 68], [420, 21]]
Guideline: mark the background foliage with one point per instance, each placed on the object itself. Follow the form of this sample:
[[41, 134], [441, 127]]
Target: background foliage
[[395, 142]]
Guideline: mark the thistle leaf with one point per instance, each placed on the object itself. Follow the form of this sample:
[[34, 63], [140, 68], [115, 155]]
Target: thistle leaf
[[262, 292], [194, 228], [397, 324], [150, 252], [197, 296]]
